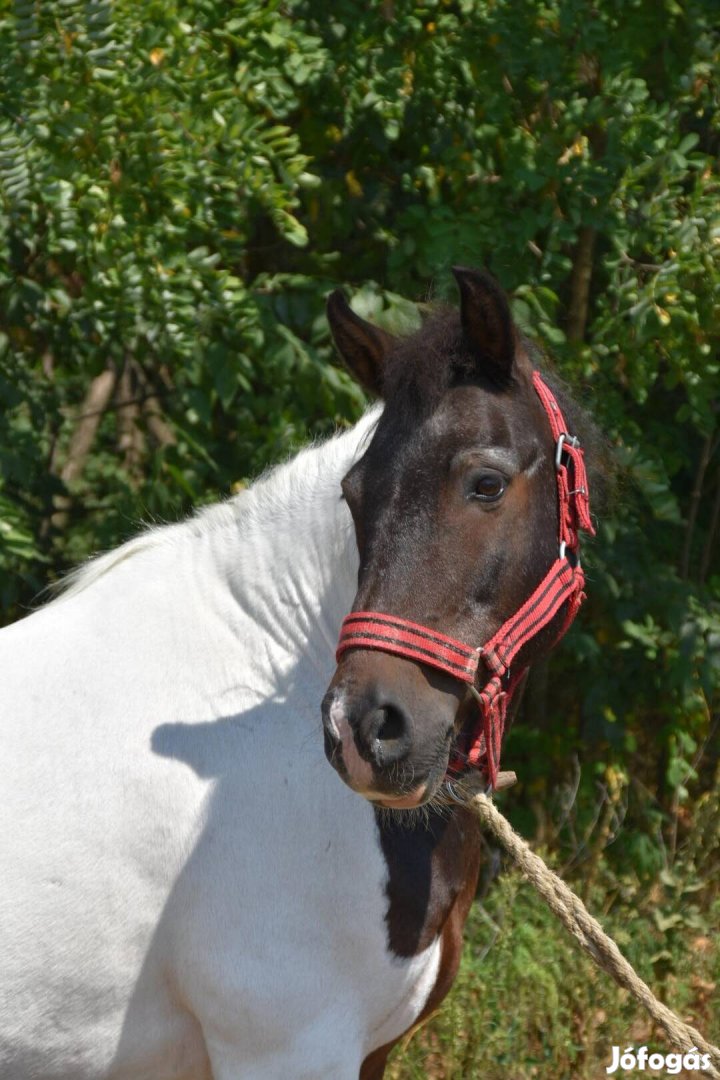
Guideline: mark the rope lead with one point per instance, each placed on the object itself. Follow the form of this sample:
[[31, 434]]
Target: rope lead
[[588, 932]]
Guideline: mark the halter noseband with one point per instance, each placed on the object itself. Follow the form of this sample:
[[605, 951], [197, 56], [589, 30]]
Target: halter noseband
[[562, 584]]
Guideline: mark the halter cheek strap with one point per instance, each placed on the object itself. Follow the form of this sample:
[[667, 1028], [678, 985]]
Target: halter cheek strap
[[562, 585]]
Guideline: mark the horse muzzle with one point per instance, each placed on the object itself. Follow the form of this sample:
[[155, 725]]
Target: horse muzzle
[[388, 726]]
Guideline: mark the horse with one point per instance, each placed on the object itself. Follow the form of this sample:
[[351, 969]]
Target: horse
[[206, 873]]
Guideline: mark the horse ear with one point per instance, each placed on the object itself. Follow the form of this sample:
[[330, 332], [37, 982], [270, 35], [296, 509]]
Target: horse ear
[[362, 346], [487, 323]]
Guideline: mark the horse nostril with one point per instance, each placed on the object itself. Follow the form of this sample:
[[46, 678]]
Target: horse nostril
[[392, 726], [389, 739]]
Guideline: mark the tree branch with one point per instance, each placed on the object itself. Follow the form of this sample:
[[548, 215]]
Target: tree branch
[[152, 410], [94, 405], [130, 437], [82, 438], [712, 533], [119, 403], [705, 455], [580, 281]]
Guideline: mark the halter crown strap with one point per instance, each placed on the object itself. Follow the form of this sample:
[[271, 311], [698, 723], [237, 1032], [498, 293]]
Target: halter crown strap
[[562, 585]]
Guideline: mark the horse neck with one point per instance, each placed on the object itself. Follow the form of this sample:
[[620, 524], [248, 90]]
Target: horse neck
[[290, 558]]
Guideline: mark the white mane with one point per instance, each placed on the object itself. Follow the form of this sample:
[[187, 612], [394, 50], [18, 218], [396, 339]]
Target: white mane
[[290, 483]]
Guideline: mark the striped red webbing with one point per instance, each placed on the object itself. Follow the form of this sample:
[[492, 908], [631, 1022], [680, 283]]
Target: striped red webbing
[[371, 630], [573, 502], [563, 584]]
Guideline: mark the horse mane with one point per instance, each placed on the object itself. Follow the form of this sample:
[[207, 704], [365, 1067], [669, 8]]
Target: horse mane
[[81, 577], [288, 483]]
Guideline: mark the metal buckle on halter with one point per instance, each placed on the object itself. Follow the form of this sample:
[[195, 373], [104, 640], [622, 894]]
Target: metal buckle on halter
[[571, 440], [564, 441], [573, 558]]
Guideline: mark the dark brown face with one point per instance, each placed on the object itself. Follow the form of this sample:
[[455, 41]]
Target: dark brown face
[[454, 506]]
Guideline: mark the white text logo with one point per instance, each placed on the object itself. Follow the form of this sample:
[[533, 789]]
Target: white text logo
[[642, 1060]]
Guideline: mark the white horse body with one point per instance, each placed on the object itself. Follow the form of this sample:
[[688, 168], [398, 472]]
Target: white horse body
[[187, 889]]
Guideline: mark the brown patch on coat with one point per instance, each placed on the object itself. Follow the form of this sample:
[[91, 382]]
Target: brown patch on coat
[[455, 865]]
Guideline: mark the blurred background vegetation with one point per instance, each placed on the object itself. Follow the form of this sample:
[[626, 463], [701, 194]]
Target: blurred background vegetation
[[181, 184]]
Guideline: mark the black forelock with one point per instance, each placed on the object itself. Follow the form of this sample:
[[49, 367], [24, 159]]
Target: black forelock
[[424, 365]]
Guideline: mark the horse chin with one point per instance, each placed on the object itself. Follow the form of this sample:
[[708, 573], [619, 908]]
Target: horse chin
[[413, 799]]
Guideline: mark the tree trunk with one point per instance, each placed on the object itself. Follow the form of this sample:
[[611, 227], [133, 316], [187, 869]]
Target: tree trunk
[[94, 405], [580, 281], [705, 455]]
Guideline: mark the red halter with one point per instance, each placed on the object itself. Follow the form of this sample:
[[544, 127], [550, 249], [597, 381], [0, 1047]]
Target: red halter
[[563, 584]]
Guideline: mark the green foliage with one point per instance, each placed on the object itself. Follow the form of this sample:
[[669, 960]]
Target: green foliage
[[137, 154], [182, 183], [525, 1005]]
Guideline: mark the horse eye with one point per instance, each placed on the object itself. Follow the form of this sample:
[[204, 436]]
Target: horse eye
[[488, 486]]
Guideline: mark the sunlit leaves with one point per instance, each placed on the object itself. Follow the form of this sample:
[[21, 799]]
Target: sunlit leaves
[[143, 175]]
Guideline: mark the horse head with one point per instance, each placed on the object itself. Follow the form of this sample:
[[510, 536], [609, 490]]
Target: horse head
[[455, 508]]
